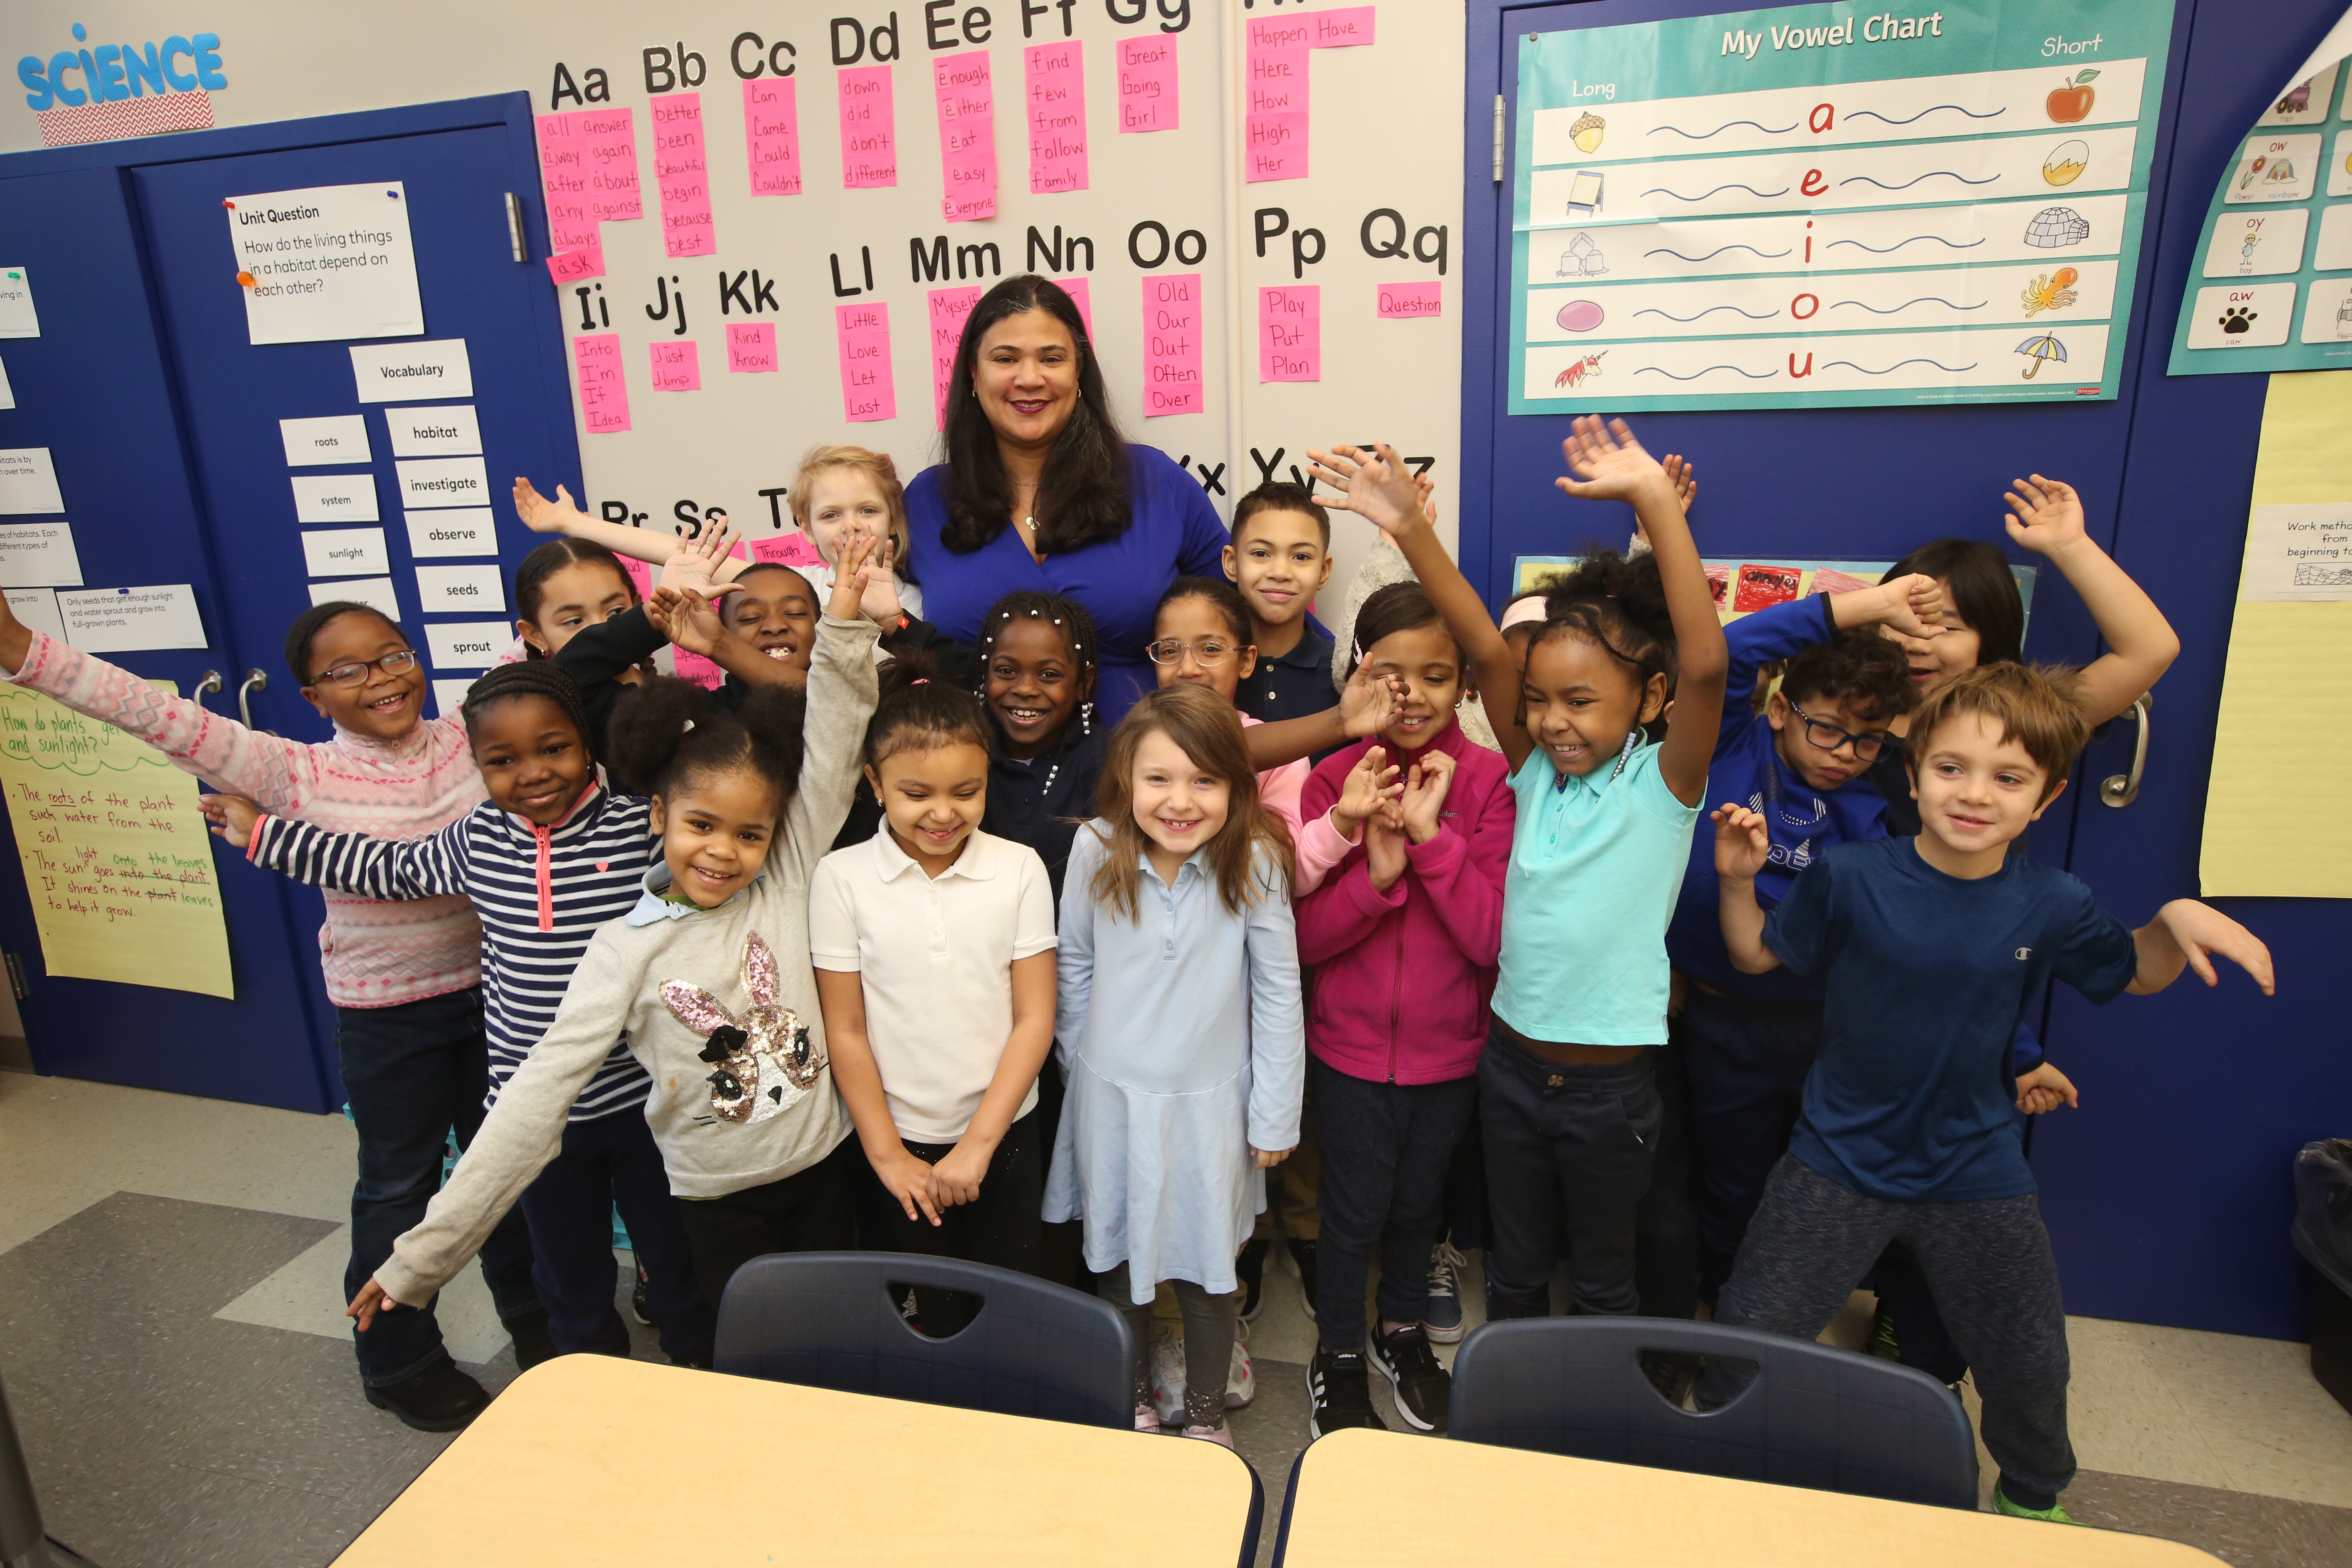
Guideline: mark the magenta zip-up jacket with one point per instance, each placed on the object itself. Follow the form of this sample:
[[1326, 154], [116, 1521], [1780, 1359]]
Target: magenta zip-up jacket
[[1402, 979]]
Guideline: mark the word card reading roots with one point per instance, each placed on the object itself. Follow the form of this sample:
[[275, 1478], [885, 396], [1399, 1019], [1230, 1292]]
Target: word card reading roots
[[1812, 206]]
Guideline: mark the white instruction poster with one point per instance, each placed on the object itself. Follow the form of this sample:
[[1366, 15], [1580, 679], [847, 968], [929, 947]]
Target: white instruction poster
[[132, 620], [326, 264], [17, 316], [28, 480], [2299, 551], [38, 555]]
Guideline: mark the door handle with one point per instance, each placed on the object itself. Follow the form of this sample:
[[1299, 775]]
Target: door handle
[[2121, 789], [211, 682], [258, 680]]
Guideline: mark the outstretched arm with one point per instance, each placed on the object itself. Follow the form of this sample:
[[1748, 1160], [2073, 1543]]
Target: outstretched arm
[[2046, 517], [2185, 934], [563, 515], [1365, 707]]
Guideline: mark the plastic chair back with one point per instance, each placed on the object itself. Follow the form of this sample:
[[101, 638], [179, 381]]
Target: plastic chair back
[[827, 1320], [1811, 1415]]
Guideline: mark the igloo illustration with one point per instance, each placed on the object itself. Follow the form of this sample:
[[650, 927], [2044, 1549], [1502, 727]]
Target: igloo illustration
[[2054, 227]]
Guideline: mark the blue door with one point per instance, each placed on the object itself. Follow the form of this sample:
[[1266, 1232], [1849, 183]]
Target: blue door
[[95, 389]]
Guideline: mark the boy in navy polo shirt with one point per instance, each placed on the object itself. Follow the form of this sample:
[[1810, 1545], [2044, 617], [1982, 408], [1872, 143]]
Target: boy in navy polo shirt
[[1928, 948], [1280, 559]]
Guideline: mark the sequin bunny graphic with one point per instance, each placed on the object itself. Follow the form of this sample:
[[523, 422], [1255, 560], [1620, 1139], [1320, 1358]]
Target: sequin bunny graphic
[[762, 1065]]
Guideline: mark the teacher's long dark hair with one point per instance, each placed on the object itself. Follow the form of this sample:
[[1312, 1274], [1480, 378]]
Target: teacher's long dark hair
[[1082, 494]]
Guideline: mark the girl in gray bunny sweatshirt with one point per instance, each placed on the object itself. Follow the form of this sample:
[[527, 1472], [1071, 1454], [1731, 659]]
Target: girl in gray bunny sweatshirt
[[719, 1004]]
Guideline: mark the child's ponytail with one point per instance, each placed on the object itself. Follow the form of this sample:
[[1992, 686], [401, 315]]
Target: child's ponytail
[[667, 730], [919, 710]]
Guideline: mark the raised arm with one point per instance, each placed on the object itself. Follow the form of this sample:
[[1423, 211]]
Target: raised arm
[[2046, 517], [1741, 844], [563, 515], [842, 691]]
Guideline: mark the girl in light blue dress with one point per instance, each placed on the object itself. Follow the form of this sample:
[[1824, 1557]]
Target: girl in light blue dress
[[1181, 1030]]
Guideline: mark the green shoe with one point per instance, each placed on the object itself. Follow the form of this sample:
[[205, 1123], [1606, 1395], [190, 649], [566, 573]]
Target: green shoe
[[2054, 1514], [1882, 1339]]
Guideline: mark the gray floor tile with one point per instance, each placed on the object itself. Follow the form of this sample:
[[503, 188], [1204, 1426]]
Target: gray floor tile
[[2244, 1529]]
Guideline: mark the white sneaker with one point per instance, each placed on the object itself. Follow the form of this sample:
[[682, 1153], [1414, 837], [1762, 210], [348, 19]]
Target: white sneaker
[[1147, 1419], [1167, 1378], [1241, 1383], [1220, 1435]]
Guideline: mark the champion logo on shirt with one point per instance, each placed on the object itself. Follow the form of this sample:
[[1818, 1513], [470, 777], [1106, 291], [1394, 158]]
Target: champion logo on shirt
[[2023, 953]]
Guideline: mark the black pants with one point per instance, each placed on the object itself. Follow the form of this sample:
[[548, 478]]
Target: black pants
[[1568, 1151], [1003, 1227], [805, 1212], [1666, 1244], [1746, 1063], [607, 1162], [1381, 1183], [413, 1073]]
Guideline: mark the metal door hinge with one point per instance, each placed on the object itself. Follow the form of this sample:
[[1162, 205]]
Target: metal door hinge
[[514, 228], [17, 975], [1498, 139]]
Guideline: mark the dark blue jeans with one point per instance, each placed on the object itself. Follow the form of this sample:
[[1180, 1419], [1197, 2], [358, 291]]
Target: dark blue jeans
[[1746, 1064], [1385, 1147], [412, 1072], [607, 1162]]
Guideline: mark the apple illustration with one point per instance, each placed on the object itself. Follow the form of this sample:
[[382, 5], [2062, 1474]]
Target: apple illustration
[[2072, 101]]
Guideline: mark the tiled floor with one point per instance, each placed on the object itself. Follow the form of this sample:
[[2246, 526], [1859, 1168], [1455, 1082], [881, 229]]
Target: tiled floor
[[181, 1371]]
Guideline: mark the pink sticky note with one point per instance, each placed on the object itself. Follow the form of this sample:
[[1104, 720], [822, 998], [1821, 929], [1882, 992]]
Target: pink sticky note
[[682, 174], [1290, 333], [751, 346], [966, 99], [869, 138], [563, 176], [570, 265], [1338, 29], [1291, 32], [948, 309], [677, 367], [794, 549], [1400, 301], [862, 333], [1146, 83], [1054, 84], [603, 394], [1075, 288], [641, 576], [611, 138], [1274, 146], [695, 668], [1274, 114], [1171, 344], [772, 135]]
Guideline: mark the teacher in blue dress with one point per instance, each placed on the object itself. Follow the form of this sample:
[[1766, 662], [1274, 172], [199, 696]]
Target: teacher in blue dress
[[1040, 491]]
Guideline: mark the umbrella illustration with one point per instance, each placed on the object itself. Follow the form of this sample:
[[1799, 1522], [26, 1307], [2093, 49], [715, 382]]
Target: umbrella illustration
[[2044, 347]]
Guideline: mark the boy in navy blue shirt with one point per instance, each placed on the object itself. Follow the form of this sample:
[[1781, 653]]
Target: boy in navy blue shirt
[[1928, 948], [1280, 559]]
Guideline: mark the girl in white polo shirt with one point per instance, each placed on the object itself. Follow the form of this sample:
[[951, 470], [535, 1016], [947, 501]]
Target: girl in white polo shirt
[[933, 945]]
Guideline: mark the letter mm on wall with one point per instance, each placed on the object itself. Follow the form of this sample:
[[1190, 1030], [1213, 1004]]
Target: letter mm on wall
[[1807, 207]]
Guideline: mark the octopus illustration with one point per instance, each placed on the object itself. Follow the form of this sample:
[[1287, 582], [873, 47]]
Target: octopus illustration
[[2051, 291], [763, 1064]]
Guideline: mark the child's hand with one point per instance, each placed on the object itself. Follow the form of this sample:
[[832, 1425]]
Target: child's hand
[[1426, 489], [1384, 847], [1912, 605], [687, 619], [1268, 1159], [880, 602], [2044, 1089], [1609, 465], [908, 1179], [1424, 794], [697, 561], [1368, 786], [956, 1179], [1368, 703], [2201, 930], [1372, 484], [2044, 515], [541, 515], [232, 816], [1683, 474], [852, 574], [373, 1299], [1742, 843]]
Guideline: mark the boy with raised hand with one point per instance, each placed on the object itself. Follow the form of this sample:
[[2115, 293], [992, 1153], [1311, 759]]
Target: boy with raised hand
[[1280, 559], [1928, 948]]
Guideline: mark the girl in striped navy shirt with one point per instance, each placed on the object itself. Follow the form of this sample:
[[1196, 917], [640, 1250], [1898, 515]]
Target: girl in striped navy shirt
[[551, 856]]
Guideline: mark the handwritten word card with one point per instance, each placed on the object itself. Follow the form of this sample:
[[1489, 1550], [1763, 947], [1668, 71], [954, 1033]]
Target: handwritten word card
[[603, 394], [1274, 118], [563, 177], [869, 137], [772, 135], [967, 110], [751, 346], [1147, 84], [682, 174], [948, 309], [863, 335], [610, 136], [1171, 344], [677, 364], [1056, 86], [1405, 301], [1290, 333]]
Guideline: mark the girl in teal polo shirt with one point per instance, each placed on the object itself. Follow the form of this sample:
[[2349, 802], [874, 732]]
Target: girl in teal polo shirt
[[1566, 1109]]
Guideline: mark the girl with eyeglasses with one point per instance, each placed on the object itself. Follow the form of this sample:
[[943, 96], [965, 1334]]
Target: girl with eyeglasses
[[404, 977]]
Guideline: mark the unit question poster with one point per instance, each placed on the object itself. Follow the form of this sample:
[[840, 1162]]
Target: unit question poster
[[1813, 207]]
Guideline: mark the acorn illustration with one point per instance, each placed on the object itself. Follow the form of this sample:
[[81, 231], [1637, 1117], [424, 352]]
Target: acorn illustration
[[1586, 133]]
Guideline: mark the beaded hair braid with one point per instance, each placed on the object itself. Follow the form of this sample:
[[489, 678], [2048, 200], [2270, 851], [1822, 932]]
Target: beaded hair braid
[[1077, 628], [530, 679]]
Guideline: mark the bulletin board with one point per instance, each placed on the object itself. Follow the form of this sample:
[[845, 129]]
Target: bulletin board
[[1813, 208]]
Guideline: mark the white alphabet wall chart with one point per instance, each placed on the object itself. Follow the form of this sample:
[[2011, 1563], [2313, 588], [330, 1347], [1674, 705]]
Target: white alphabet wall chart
[[1814, 207], [2272, 288]]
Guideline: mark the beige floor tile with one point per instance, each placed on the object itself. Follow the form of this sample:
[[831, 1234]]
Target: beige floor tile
[[307, 1296], [2123, 1410], [2254, 1404]]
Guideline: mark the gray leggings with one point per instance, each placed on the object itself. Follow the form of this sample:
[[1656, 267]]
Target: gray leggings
[[1208, 1344], [1989, 1265]]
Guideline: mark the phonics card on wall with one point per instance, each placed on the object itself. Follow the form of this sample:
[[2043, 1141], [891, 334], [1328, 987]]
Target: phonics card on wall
[[1810, 206]]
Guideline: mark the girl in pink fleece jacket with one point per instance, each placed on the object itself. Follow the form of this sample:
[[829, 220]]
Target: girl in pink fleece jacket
[[1404, 929]]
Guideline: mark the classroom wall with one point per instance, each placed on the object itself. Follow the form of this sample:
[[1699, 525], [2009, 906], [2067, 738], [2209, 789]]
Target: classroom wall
[[1382, 137]]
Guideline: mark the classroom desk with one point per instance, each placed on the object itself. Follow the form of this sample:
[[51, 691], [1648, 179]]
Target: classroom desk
[[1363, 1499], [588, 1460]]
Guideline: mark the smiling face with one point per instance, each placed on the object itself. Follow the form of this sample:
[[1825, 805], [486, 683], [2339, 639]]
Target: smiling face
[[716, 830], [1025, 376], [844, 502], [775, 611], [1583, 700], [381, 707], [571, 600], [1279, 562], [1820, 769], [1034, 684], [1178, 805], [1424, 659], [1935, 660], [934, 798], [1977, 792], [532, 758], [1195, 622]]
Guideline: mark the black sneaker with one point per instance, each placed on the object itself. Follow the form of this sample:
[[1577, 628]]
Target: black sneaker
[[532, 1343], [1339, 1392], [1301, 1258], [1250, 1269], [637, 1307], [438, 1399], [1422, 1386]]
